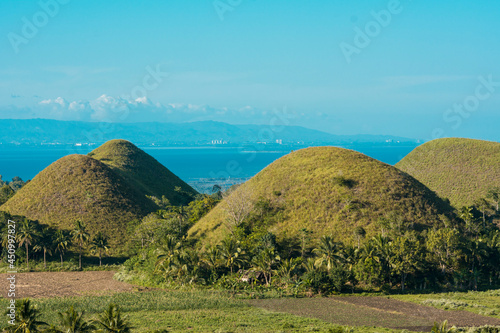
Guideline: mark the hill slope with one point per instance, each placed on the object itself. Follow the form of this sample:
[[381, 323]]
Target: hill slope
[[142, 171], [461, 170], [80, 187], [326, 190]]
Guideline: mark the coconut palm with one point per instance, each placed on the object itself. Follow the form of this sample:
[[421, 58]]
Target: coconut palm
[[265, 261], [288, 268], [329, 252], [62, 241], [81, 236], [211, 259], [72, 321], [111, 320], [26, 320], [168, 253], [181, 215], [26, 235], [231, 253], [45, 243], [99, 244], [494, 195]]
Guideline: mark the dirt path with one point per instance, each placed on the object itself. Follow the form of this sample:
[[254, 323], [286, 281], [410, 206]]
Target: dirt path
[[374, 311], [53, 284]]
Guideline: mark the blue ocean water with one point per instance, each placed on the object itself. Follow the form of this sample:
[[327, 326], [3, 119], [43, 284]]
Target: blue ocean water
[[193, 165]]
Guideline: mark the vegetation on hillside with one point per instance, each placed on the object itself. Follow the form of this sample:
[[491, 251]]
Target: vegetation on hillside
[[459, 255], [461, 170], [8, 189], [141, 171], [80, 187], [325, 190]]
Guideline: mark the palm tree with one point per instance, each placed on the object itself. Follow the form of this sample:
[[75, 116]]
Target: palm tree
[[484, 206], [168, 253], [264, 261], [27, 316], [211, 259], [232, 253], [62, 241], [81, 236], [287, 268], [494, 195], [329, 252], [45, 244], [181, 215], [26, 235], [111, 320], [72, 321], [99, 244]]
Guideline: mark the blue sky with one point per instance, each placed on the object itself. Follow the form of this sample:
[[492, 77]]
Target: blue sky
[[236, 61]]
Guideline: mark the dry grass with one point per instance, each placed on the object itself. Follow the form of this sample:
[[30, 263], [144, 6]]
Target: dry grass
[[332, 190], [143, 172], [461, 170]]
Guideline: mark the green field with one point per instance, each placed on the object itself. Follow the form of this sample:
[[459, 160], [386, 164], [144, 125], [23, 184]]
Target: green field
[[190, 310], [485, 303]]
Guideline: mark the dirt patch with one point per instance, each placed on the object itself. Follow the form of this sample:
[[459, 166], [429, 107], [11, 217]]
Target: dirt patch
[[60, 284], [374, 311]]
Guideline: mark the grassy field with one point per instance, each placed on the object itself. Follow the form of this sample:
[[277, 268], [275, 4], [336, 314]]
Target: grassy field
[[193, 311], [485, 303]]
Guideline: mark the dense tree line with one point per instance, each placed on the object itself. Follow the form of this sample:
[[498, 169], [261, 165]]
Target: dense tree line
[[463, 253], [8, 189], [459, 254], [32, 237]]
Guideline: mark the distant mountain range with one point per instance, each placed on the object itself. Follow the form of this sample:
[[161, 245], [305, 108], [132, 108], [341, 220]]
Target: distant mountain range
[[45, 131]]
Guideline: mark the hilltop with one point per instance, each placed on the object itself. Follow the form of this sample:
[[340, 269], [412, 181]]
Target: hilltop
[[80, 187], [461, 170], [144, 173], [325, 190]]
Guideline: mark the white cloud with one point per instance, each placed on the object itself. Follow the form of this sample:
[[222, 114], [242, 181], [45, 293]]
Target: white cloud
[[118, 109]]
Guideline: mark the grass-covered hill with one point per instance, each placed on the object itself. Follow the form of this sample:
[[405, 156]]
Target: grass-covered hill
[[461, 170], [326, 190], [80, 187], [143, 172]]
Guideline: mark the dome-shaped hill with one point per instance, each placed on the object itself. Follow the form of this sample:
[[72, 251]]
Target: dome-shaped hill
[[327, 190], [80, 187], [461, 170], [143, 172]]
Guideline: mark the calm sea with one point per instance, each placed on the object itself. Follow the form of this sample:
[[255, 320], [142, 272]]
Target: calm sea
[[201, 167]]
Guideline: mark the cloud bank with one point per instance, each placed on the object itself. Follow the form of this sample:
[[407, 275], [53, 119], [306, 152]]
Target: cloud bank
[[117, 109]]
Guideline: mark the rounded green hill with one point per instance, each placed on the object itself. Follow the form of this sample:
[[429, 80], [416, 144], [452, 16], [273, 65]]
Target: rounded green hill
[[80, 187], [461, 170], [326, 190], [143, 172]]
